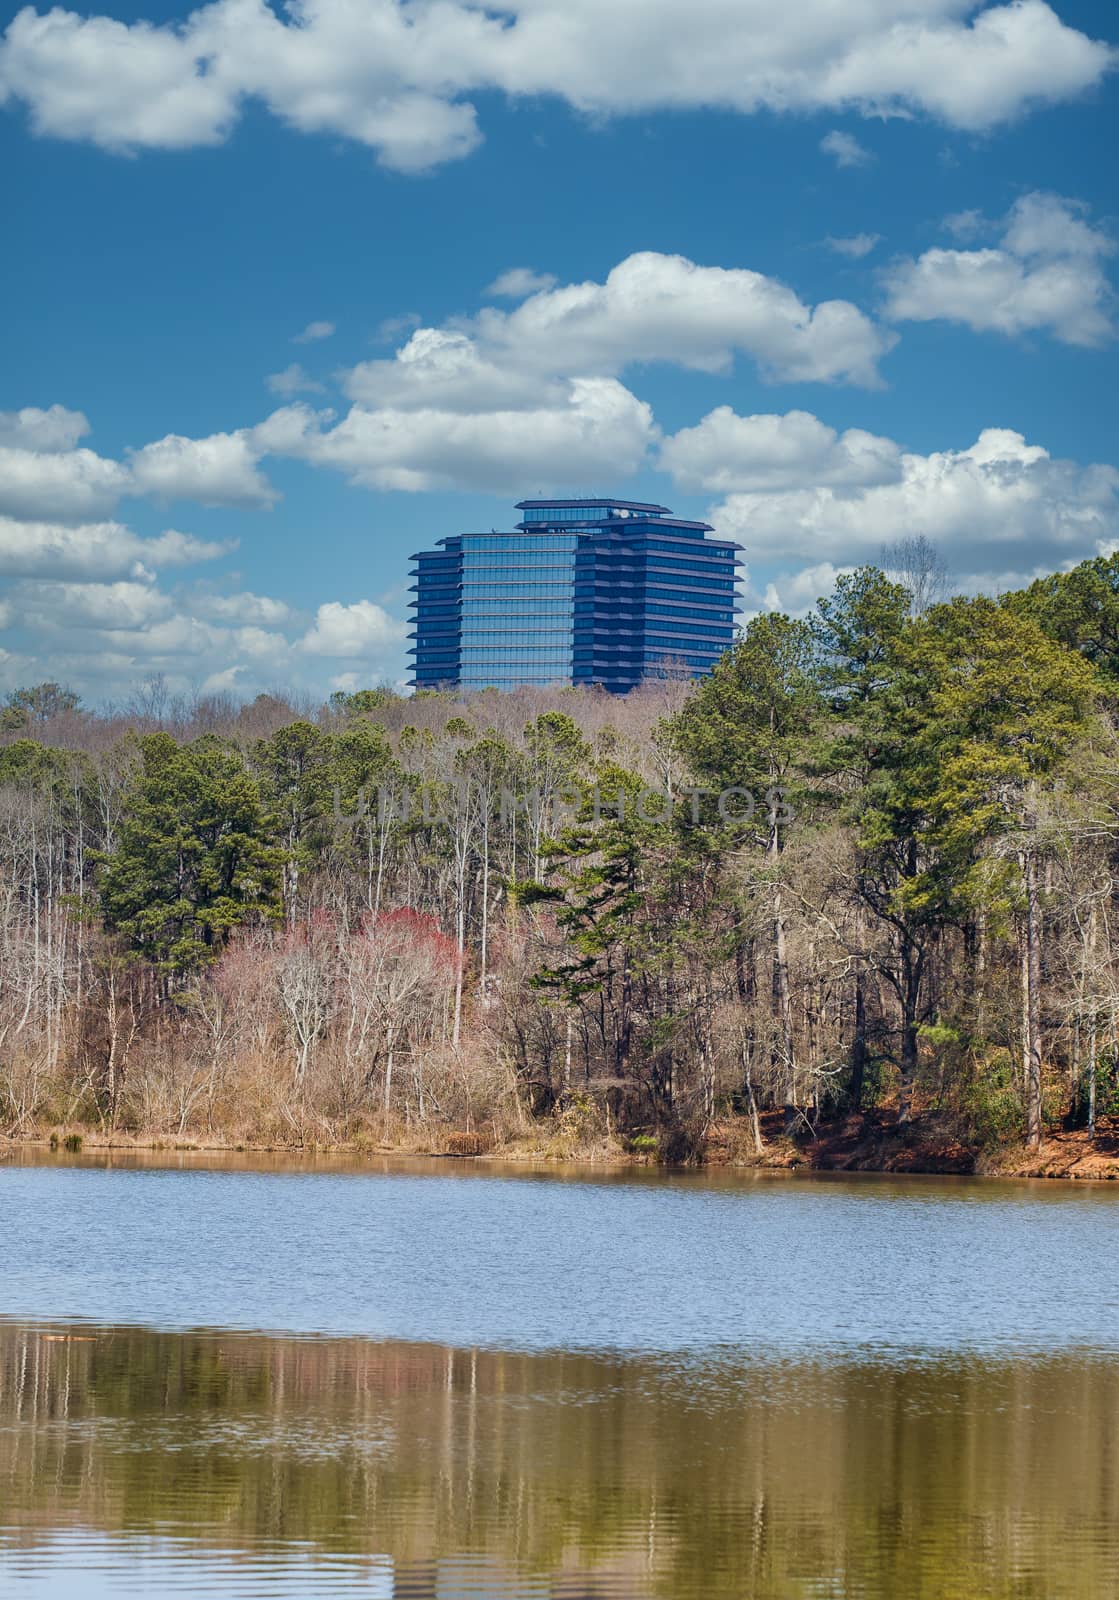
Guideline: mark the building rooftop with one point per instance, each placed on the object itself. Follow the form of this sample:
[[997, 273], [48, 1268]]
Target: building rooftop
[[593, 500]]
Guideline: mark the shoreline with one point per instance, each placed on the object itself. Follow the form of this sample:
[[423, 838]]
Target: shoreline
[[851, 1147]]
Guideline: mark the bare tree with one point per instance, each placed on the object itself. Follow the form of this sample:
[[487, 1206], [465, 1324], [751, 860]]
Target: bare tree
[[916, 563]]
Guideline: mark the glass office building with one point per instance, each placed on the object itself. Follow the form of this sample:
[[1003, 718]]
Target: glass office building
[[582, 591]]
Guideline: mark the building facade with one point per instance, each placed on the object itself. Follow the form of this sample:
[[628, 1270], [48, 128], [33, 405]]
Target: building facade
[[582, 591]]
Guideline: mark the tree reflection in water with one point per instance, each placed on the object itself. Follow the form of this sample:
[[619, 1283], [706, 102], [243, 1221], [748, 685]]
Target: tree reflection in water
[[571, 1476]]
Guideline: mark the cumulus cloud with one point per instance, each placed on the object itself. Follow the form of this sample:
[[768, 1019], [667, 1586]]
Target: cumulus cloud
[[313, 331], [393, 328], [108, 636], [533, 393], [727, 452], [655, 307], [45, 477], [220, 470], [1045, 273], [519, 282], [391, 74], [590, 428], [243, 607], [98, 550], [224, 681], [443, 368], [61, 483], [794, 593], [999, 502], [293, 380], [361, 629], [56, 428], [119, 86], [845, 150], [650, 308], [856, 247], [125, 604]]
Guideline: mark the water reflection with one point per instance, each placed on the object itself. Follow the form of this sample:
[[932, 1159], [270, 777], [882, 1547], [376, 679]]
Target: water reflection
[[132, 1461]]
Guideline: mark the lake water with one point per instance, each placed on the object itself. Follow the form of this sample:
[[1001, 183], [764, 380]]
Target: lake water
[[416, 1380]]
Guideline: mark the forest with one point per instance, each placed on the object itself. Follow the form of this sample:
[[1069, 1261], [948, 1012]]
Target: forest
[[863, 876]]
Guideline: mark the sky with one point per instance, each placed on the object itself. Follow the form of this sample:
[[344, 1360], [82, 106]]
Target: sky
[[294, 291]]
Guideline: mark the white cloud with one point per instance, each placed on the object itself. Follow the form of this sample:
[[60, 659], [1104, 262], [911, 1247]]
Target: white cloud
[[63, 484], [390, 74], [444, 368], [519, 282], [56, 428], [243, 607], [123, 87], [650, 308], [856, 247], [90, 605], [794, 593], [174, 549], [167, 639], [112, 635], [99, 550], [394, 328], [666, 308], [45, 478], [796, 450], [967, 225], [218, 470], [591, 428], [262, 644], [313, 331], [293, 380], [845, 149], [107, 638], [999, 500], [532, 394], [361, 629], [224, 681], [1045, 273]]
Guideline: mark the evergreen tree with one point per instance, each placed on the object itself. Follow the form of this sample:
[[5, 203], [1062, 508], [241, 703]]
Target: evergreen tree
[[1079, 609], [877, 707], [1007, 708], [195, 855], [747, 728]]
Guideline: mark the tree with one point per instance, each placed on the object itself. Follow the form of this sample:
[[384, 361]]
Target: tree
[[557, 756], [916, 563], [876, 709], [747, 728], [361, 702], [1008, 706], [195, 856], [630, 886], [371, 795], [1079, 609], [26, 708], [294, 766]]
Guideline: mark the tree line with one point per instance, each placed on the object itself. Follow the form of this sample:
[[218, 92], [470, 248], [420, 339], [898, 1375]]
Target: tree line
[[385, 915]]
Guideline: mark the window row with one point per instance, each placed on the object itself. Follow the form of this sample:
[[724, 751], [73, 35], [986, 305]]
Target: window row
[[523, 590], [566, 514], [518, 543], [475, 638]]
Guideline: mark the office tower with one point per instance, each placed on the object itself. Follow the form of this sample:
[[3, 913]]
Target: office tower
[[596, 591]]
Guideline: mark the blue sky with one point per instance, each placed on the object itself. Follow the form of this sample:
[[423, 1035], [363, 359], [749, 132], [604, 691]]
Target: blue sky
[[826, 274]]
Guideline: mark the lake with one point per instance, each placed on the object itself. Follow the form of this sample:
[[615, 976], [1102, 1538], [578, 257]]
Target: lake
[[241, 1377]]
